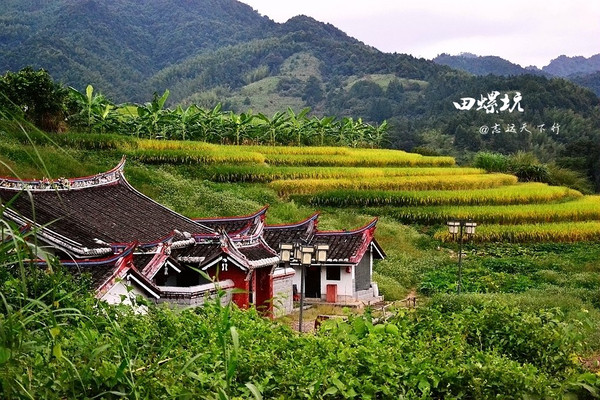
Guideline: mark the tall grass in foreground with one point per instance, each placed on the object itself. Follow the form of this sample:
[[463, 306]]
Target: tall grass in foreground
[[441, 182], [515, 194]]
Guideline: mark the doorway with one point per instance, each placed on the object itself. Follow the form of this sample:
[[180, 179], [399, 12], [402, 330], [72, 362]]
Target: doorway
[[312, 282]]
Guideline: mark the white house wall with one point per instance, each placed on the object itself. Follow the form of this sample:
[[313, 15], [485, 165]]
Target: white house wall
[[345, 286], [118, 294]]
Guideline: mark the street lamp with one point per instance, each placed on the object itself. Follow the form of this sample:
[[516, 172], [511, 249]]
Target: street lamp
[[303, 255], [461, 228]]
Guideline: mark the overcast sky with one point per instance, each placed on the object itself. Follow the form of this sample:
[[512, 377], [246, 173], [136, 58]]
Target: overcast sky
[[526, 32]]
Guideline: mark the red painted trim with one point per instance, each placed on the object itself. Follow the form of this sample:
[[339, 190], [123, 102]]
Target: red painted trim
[[368, 226], [260, 212], [367, 239]]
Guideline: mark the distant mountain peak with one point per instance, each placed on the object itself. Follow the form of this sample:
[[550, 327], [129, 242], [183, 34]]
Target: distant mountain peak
[[565, 66]]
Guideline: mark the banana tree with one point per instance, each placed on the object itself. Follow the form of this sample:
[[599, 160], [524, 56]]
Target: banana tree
[[273, 126], [323, 127], [377, 134], [91, 107], [107, 119], [296, 124], [240, 125], [151, 114], [185, 120], [210, 125]]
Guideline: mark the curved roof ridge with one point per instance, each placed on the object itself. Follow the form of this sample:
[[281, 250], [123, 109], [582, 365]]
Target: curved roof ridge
[[362, 229], [295, 225], [111, 176], [260, 212]]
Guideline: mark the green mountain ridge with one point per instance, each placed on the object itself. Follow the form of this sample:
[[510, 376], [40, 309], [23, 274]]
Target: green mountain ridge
[[580, 70]]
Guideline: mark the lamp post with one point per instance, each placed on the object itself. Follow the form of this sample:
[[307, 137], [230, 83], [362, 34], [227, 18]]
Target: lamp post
[[461, 228], [303, 255]]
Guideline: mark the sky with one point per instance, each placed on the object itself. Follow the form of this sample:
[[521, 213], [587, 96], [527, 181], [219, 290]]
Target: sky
[[526, 32]]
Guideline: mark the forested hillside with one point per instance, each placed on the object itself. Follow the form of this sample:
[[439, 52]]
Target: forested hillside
[[118, 45], [580, 70]]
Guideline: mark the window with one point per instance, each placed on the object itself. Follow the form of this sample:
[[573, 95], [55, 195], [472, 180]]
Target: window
[[333, 273]]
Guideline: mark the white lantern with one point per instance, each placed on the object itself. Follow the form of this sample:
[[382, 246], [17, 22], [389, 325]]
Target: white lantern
[[307, 252], [322, 250], [470, 228], [285, 250], [453, 227]]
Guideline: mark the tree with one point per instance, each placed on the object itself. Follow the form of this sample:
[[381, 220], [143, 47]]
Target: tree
[[150, 114], [273, 125], [34, 95], [296, 124], [313, 93]]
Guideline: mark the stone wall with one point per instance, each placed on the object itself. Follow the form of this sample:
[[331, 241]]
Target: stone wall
[[283, 295]]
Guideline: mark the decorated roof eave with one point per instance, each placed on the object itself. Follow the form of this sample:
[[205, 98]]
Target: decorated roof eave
[[178, 244], [157, 262], [273, 260], [69, 246], [63, 184], [94, 261], [124, 269], [195, 291]]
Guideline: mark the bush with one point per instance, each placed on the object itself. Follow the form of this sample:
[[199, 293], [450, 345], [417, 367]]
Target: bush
[[491, 162]]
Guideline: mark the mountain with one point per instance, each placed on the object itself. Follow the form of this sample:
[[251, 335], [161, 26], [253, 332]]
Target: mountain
[[118, 45], [564, 66], [482, 65], [580, 70], [591, 81], [211, 51]]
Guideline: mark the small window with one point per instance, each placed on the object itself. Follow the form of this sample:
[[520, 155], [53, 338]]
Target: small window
[[333, 273]]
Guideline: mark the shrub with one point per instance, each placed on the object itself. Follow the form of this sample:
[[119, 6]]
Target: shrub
[[492, 162]]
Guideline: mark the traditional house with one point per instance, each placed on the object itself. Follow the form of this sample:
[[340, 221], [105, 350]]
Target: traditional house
[[346, 275], [103, 226]]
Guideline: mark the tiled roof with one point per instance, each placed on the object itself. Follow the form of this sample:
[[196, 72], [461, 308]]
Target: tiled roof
[[257, 252], [94, 215], [277, 234], [233, 225], [198, 254]]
